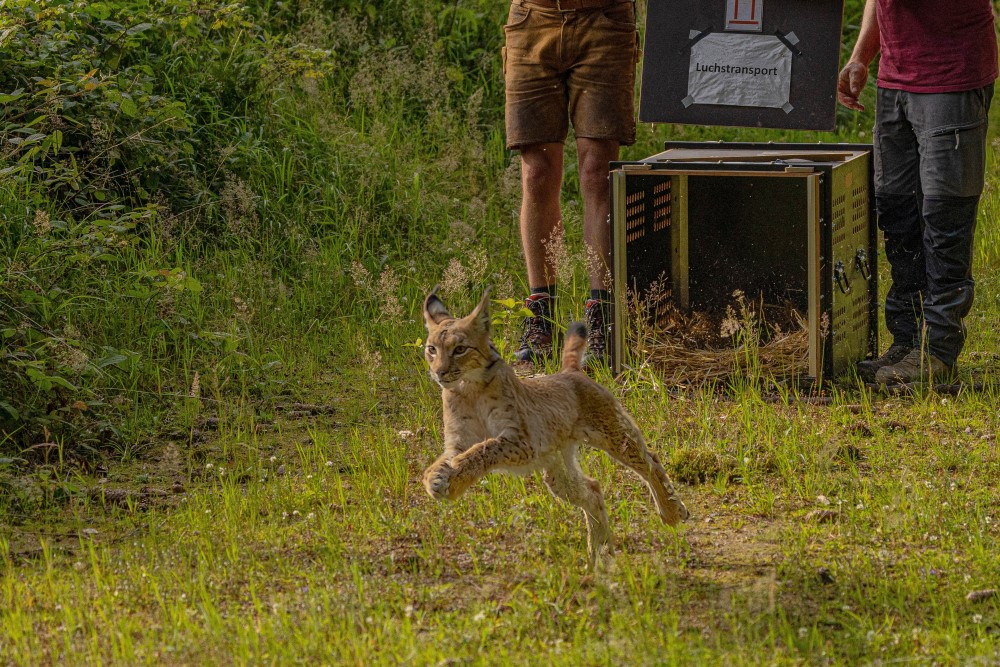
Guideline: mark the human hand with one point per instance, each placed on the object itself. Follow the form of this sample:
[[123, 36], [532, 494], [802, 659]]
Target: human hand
[[850, 83]]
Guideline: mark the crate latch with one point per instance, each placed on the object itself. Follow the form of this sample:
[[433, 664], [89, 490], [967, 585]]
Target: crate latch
[[861, 259], [840, 275]]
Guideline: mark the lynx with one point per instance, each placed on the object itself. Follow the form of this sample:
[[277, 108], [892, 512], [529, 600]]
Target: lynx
[[496, 421]]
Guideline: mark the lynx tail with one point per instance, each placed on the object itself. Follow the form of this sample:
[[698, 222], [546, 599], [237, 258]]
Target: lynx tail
[[574, 347]]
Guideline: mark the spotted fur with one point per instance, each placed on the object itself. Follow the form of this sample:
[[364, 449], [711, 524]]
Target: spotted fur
[[495, 421]]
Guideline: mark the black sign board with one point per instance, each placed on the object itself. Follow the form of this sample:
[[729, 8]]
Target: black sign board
[[748, 63]]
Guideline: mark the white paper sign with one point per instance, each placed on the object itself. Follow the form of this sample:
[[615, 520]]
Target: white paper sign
[[744, 15], [740, 70]]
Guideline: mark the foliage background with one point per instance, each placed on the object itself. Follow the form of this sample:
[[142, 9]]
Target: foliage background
[[168, 168]]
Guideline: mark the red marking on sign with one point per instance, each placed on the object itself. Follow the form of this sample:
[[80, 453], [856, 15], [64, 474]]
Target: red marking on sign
[[753, 12]]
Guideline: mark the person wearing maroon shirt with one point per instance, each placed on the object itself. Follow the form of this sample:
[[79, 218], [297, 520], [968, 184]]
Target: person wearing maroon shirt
[[936, 75]]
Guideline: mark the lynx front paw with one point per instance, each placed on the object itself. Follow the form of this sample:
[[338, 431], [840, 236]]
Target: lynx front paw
[[675, 512], [437, 481]]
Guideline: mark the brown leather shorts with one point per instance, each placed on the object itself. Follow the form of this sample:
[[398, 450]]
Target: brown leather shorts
[[562, 64]]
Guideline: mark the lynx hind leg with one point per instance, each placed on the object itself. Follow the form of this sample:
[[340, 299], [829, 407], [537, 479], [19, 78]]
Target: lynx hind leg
[[672, 510], [566, 481], [623, 440]]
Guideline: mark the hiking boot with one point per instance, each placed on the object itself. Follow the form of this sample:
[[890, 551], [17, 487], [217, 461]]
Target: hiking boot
[[916, 367], [536, 341], [597, 331], [869, 367]]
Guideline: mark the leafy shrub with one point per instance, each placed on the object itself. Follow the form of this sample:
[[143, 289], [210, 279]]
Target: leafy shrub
[[106, 110], [153, 156]]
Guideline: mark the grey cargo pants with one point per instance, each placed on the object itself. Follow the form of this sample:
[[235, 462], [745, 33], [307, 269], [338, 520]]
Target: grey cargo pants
[[930, 162]]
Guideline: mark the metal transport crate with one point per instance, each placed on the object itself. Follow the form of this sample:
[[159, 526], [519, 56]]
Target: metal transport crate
[[782, 222]]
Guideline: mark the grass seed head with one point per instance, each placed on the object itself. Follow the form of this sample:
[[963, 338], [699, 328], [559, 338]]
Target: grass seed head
[[41, 222]]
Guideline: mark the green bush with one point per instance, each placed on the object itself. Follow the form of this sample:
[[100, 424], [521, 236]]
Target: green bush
[[156, 155], [107, 118]]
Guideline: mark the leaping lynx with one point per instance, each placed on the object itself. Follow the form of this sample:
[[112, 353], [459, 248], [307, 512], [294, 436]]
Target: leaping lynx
[[495, 421]]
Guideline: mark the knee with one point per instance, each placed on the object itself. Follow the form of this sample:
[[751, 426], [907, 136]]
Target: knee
[[540, 170], [594, 176], [897, 211], [541, 166]]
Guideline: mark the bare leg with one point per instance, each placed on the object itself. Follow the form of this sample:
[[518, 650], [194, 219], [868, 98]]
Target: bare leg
[[568, 482], [449, 479], [594, 156], [541, 182]]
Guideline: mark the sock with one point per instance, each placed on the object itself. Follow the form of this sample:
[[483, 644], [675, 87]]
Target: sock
[[548, 289]]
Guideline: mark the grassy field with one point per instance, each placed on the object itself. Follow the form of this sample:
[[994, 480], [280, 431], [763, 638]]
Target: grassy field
[[234, 477]]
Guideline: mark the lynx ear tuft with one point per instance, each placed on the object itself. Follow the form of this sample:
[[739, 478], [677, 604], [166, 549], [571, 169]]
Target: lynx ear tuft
[[434, 311], [482, 312]]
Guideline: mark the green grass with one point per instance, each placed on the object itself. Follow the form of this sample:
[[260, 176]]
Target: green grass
[[331, 552], [271, 511]]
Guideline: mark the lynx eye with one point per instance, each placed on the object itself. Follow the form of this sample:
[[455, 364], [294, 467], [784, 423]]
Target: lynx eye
[[460, 349], [431, 350]]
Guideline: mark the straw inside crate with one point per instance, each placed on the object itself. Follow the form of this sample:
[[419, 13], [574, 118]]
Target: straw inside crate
[[699, 347]]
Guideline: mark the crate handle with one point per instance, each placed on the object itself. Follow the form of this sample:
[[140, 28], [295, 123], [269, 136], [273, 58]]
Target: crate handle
[[863, 265], [840, 275]]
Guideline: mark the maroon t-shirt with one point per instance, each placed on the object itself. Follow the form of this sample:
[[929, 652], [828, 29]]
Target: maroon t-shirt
[[933, 46]]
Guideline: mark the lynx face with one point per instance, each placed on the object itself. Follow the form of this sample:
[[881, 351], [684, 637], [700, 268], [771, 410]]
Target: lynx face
[[457, 349]]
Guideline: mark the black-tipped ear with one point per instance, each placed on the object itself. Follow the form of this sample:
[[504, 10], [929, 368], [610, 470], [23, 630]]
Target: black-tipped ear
[[482, 312], [434, 311]]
